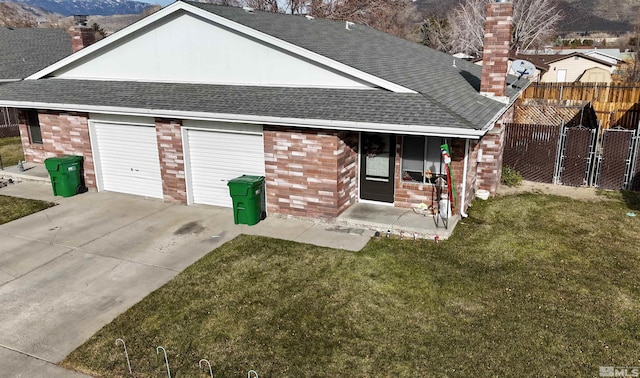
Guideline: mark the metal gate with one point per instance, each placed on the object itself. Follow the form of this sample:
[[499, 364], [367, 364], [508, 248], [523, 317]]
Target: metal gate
[[531, 150], [616, 169], [574, 156], [577, 147]]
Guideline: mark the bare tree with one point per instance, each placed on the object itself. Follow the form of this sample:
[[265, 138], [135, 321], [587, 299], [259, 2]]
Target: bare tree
[[534, 21], [392, 16]]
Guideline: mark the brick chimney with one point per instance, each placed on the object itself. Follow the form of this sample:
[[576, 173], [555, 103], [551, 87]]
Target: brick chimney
[[81, 34], [495, 55]]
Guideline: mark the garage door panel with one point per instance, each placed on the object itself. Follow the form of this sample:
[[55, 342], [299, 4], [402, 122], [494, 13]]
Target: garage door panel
[[129, 159], [216, 157]]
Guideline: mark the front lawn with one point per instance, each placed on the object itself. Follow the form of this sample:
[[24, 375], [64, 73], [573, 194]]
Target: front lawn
[[12, 208], [528, 285], [11, 151]]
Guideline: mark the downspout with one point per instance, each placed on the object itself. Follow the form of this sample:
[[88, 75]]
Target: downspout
[[463, 193]]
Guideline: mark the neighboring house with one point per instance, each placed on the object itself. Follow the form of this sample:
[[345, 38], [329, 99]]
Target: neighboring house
[[567, 68], [572, 67], [176, 104]]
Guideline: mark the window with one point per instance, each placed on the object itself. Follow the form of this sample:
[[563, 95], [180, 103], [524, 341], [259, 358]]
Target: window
[[34, 126], [422, 159]]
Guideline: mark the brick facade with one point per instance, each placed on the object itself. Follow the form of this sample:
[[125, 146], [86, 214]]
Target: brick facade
[[174, 185], [62, 134], [310, 173], [489, 166], [495, 54]]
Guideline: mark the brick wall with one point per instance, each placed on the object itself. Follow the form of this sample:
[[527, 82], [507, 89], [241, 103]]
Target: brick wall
[[62, 134], [81, 37], [489, 167], [174, 185], [310, 173], [495, 55]]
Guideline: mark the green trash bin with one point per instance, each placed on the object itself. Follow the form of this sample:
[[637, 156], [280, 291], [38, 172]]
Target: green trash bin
[[246, 193], [66, 175]]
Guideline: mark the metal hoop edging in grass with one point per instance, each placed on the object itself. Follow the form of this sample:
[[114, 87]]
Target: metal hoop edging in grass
[[126, 354], [208, 363], [252, 372], [166, 360]]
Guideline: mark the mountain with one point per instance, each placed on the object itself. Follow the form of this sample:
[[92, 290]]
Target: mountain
[[88, 7], [580, 15]]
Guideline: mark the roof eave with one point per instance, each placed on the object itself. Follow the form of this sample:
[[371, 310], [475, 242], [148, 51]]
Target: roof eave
[[408, 129]]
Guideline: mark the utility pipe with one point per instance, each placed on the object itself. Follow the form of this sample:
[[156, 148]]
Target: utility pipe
[[463, 194]]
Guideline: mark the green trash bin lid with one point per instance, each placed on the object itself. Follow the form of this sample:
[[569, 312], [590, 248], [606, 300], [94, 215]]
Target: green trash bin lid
[[240, 186], [53, 164]]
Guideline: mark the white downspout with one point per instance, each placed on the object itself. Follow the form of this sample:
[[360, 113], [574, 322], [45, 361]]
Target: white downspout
[[463, 194]]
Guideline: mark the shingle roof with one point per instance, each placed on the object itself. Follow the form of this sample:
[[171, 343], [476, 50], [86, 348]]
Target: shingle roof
[[448, 90], [302, 103], [417, 67], [24, 51]]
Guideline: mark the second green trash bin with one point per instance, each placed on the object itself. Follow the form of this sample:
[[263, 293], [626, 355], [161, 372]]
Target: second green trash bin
[[246, 193], [66, 175]]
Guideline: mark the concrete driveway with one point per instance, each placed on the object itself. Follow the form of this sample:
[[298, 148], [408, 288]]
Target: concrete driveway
[[67, 271]]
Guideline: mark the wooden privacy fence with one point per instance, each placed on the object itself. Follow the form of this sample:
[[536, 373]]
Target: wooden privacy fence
[[574, 156], [616, 104]]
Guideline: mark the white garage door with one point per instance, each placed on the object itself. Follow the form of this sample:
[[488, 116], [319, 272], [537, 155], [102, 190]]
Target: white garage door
[[128, 159], [214, 157]]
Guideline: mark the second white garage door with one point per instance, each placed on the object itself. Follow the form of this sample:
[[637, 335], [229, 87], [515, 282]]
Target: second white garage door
[[215, 157]]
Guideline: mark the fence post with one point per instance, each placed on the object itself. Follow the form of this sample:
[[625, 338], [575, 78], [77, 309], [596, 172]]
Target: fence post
[[594, 162], [635, 150], [558, 166]]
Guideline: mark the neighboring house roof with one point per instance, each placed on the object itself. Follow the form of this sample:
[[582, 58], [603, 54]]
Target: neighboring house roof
[[24, 51], [555, 113], [613, 53], [550, 59], [435, 91]]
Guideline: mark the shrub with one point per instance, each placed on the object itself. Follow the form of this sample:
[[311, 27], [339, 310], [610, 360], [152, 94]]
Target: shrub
[[510, 177]]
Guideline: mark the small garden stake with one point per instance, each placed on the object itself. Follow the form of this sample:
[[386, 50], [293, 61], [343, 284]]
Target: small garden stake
[[166, 360], [126, 354], [252, 372], [208, 364]]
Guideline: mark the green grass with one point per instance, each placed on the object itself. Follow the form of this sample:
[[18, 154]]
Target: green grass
[[12, 208], [528, 285], [11, 151]]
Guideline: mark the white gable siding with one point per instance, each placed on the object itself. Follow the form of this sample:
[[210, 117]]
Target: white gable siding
[[184, 48]]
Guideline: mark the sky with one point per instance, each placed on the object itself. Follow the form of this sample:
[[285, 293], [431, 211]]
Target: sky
[[161, 2]]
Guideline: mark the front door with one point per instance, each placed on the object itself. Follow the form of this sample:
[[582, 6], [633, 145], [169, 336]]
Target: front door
[[377, 162]]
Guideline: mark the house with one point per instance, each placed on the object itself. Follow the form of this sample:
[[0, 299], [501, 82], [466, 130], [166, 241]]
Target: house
[[576, 67], [567, 68], [331, 113]]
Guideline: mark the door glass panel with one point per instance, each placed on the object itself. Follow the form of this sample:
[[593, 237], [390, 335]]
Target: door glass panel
[[377, 147]]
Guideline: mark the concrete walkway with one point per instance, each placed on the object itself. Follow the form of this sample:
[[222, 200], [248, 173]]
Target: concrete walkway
[[67, 271]]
